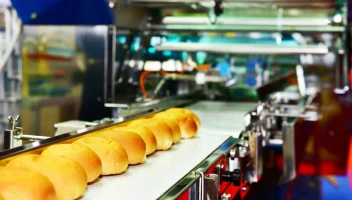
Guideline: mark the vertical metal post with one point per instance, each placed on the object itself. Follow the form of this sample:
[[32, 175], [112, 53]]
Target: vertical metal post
[[347, 62], [8, 139], [109, 71], [288, 137]]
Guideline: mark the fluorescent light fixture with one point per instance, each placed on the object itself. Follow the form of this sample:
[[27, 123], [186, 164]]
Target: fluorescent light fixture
[[255, 35], [243, 48], [294, 12], [249, 21], [152, 66]]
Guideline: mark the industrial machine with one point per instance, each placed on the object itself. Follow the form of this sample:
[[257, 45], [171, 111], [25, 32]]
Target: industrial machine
[[222, 162]]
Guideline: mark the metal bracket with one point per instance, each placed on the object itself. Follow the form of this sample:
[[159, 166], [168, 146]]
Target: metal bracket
[[15, 136]]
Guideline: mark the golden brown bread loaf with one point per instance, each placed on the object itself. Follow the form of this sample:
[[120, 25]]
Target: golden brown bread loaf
[[112, 155], [161, 130], [146, 134], [25, 184], [133, 143], [79, 153], [67, 176], [186, 123], [187, 112], [176, 132]]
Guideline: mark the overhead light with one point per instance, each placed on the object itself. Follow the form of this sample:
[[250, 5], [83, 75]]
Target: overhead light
[[294, 12], [111, 4], [338, 18], [278, 40], [255, 35]]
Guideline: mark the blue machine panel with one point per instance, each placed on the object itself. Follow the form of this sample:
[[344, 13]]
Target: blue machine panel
[[64, 12]]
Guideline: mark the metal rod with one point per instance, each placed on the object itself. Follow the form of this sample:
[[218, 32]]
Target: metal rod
[[243, 48], [159, 86], [288, 115], [233, 21], [239, 28], [310, 107], [31, 137], [276, 3]]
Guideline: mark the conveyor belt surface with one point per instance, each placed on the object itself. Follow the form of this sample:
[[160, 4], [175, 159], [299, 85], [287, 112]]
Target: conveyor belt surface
[[162, 170], [225, 118]]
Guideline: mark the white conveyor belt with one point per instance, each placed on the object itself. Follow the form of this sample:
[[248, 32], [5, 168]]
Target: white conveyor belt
[[219, 121], [225, 118], [162, 170]]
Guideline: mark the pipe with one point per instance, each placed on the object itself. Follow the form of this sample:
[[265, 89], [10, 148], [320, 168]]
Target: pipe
[[246, 28], [244, 48]]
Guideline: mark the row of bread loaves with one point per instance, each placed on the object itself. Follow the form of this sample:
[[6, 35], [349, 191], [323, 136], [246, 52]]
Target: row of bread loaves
[[63, 171]]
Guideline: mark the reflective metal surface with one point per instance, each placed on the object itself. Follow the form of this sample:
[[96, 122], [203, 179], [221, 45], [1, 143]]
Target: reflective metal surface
[[288, 149], [244, 48], [64, 70], [121, 110], [73, 134], [212, 185], [239, 28], [192, 177], [265, 3]]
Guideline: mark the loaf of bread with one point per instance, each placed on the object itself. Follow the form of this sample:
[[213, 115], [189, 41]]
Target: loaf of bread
[[161, 130], [87, 158], [146, 134], [133, 143], [67, 176], [112, 154], [176, 132], [187, 112], [186, 123], [26, 184]]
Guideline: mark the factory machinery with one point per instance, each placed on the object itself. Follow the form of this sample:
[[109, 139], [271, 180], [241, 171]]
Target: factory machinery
[[223, 161], [240, 148]]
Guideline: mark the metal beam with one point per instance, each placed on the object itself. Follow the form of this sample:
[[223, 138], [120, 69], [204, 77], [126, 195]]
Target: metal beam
[[244, 48]]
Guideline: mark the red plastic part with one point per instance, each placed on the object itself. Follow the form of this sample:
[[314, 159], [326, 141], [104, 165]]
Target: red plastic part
[[48, 57]]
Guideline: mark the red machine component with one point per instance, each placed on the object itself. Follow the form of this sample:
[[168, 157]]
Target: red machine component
[[322, 146], [226, 188]]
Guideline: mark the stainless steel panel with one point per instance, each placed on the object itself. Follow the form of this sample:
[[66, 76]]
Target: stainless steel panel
[[288, 148]]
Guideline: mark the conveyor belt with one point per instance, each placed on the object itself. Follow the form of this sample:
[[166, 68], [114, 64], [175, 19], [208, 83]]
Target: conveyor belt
[[162, 170], [165, 169], [225, 118]]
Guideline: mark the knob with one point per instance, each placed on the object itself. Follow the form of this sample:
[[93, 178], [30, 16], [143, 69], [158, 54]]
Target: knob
[[14, 122]]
